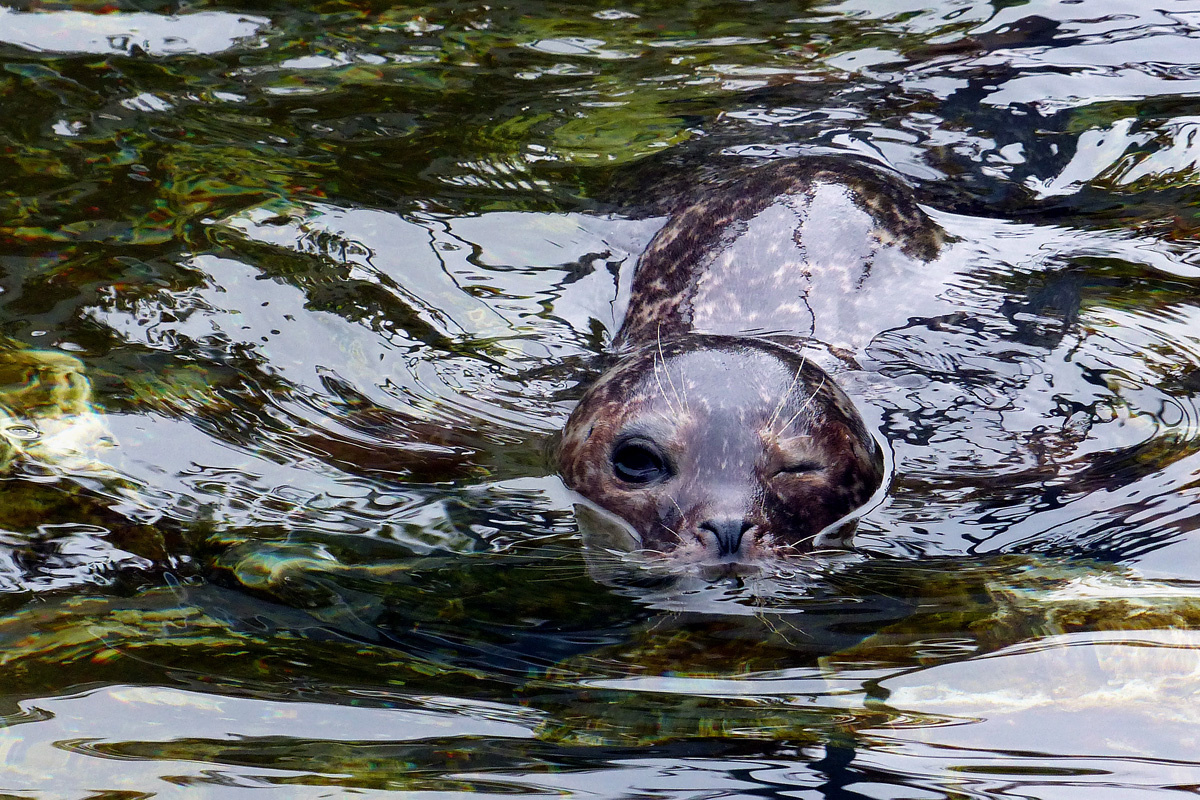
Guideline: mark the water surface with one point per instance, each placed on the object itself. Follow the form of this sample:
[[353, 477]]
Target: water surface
[[293, 300]]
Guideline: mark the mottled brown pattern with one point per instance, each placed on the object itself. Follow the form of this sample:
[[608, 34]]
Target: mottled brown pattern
[[679, 257], [761, 452]]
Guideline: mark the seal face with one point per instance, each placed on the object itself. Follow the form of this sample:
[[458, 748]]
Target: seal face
[[711, 437], [720, 446]]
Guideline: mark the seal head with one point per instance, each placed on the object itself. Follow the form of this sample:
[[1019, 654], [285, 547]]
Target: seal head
[[720, 448]]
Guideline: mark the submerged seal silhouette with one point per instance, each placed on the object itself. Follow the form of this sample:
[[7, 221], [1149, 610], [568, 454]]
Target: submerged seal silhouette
[[713, 437]]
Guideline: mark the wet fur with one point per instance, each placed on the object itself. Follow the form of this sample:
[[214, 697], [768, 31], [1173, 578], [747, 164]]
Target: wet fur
[[710, 372]]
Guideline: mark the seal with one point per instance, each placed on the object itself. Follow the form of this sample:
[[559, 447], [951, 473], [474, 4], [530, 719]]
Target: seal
[[713, 436]]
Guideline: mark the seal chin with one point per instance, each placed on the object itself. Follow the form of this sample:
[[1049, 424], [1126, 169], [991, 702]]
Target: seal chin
[[720, 451]]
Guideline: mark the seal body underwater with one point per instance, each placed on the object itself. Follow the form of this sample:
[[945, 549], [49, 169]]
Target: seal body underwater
[[713, 437]]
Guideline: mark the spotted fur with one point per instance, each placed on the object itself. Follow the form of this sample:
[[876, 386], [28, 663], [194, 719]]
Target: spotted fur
[[762, 452]]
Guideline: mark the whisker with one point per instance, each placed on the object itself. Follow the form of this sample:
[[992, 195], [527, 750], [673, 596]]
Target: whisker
[[660, 361], [682, 516], [773, 626], [663, 390], [805, 406], [682, 399], [783, 398]]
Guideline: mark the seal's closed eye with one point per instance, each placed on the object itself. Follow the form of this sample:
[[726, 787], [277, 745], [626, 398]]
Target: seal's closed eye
[[801, 467]]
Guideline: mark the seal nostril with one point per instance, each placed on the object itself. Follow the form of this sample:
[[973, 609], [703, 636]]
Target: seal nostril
[[728, 533]]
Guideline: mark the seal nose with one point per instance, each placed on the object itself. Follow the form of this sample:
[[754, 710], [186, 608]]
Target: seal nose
[[728, 532]]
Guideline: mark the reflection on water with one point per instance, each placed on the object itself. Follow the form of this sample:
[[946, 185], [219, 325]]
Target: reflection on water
[[67, 31], [294, 301]]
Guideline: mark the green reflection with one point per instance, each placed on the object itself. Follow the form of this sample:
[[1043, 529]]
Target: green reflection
[[331, 484]]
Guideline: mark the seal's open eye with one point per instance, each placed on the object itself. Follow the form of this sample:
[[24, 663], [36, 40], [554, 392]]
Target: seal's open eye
[[638, 461]]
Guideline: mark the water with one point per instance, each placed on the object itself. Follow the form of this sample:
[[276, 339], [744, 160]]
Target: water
[[293, 301]]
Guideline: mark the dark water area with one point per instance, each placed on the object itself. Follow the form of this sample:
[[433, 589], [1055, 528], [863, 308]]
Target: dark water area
[[294, 300]]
